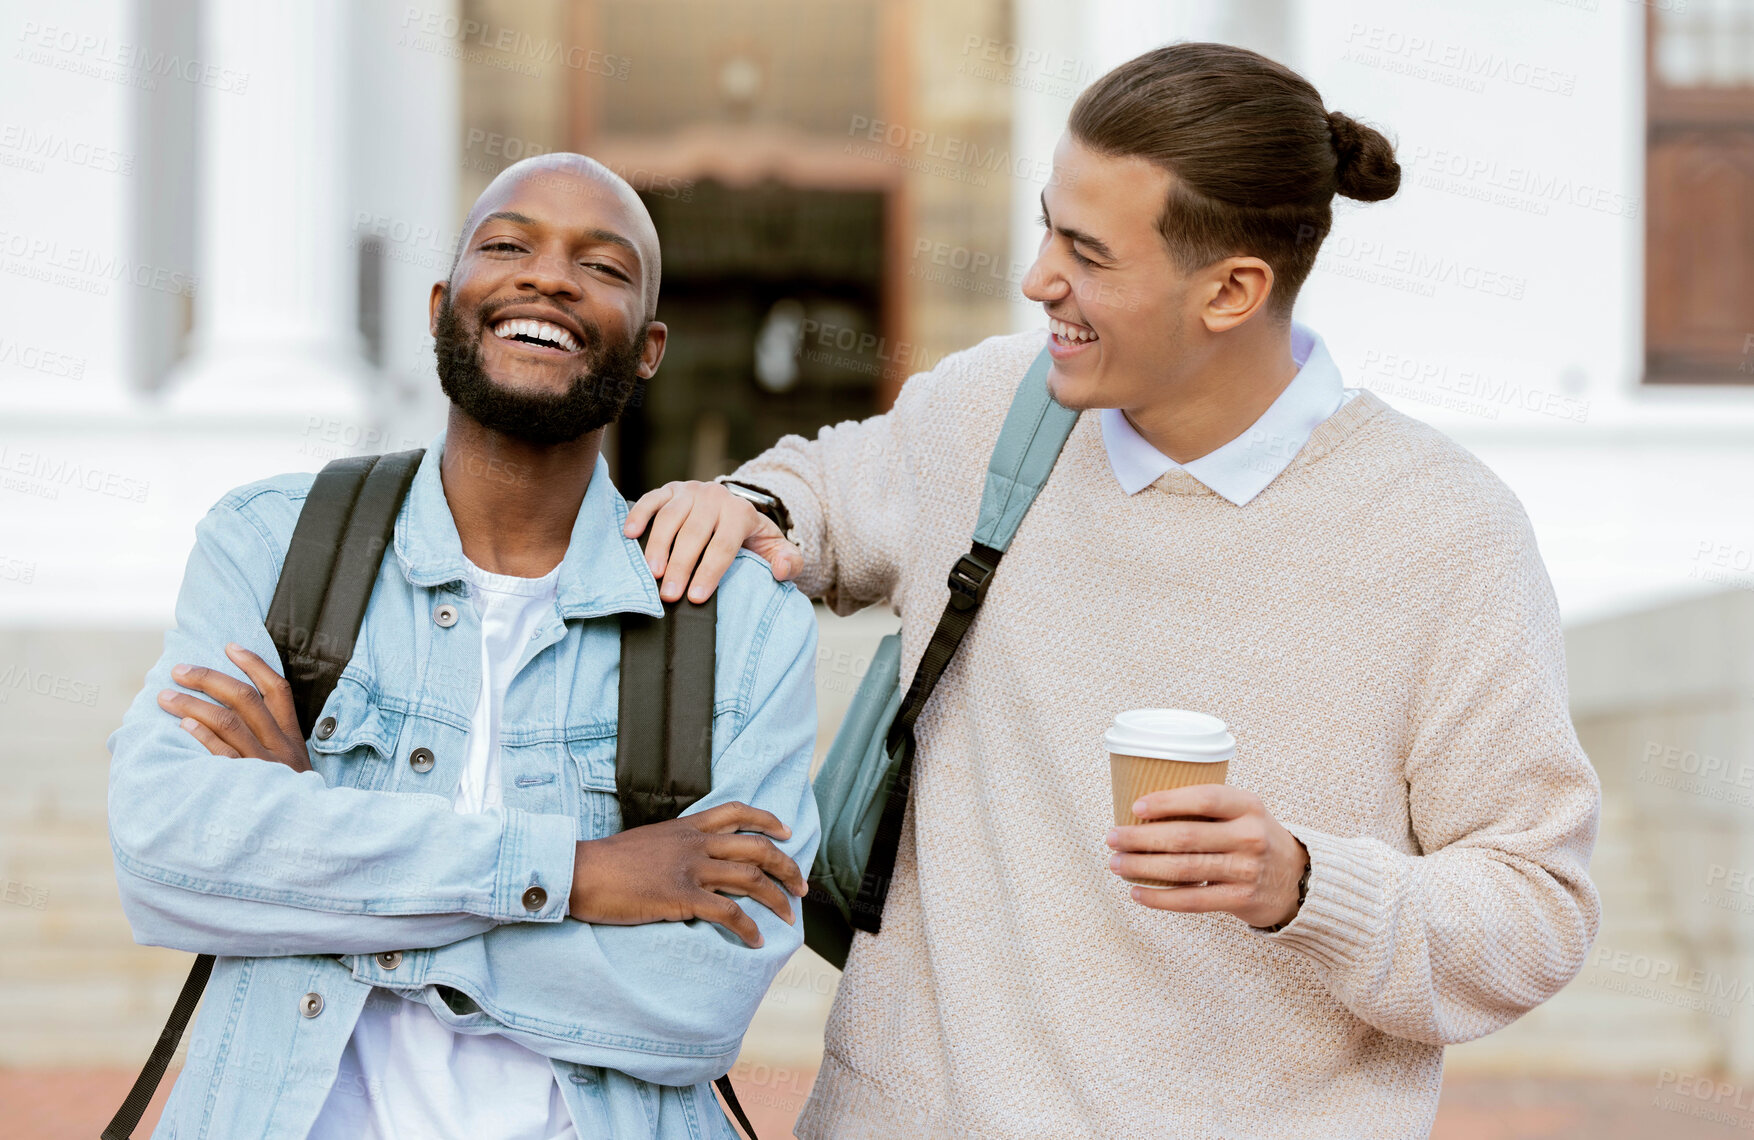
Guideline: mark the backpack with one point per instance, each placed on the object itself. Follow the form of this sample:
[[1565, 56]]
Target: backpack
[[663, 752], [862, 787]]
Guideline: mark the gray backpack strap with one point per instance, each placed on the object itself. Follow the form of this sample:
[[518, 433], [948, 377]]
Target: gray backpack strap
[[1034, 432], [1029, 444]]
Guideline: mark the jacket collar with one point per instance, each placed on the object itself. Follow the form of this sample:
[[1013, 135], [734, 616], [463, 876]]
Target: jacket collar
[[603, 571]]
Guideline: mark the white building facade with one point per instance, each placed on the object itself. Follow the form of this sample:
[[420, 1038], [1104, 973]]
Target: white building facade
[[219, 222]]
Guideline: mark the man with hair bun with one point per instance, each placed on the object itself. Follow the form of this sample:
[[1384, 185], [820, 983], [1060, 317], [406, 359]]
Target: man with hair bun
[[1399, 857]]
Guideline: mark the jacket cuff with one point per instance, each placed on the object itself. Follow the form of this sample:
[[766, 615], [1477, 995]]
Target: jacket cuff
[[535, 867], [1345, 911]]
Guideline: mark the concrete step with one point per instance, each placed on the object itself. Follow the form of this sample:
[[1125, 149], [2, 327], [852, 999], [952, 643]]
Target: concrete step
[[56, 844], [60, 926], [53, 965]]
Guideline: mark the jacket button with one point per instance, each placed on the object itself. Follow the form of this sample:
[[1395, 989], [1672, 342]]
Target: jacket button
[[390, 959], [445, 615], [535, 898], [325, 728], [311, 1004], [420, 759]]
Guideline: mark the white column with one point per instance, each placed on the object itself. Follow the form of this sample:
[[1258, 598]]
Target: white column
[[406, 156], [276, 323]]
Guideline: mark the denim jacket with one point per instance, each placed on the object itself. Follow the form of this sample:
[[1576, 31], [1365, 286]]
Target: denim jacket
[[313, 888]]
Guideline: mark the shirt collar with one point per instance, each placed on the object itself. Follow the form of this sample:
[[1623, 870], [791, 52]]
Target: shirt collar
[[1242, 468], [603, 571]]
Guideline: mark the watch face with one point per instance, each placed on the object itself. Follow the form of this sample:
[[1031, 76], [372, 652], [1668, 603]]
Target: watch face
[[759, 498], [765, 504]]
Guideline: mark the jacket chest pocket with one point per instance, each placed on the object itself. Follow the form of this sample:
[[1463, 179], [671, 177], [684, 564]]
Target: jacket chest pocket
[[353, 738], [591, 759]]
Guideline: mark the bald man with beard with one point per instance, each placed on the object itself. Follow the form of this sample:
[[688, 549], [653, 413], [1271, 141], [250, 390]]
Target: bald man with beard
[[428, 919]]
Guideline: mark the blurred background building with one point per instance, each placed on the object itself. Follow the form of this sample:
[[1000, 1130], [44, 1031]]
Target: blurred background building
[[219, 222]]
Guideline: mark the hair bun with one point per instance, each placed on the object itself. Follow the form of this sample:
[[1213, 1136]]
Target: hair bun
[[1364, 161]]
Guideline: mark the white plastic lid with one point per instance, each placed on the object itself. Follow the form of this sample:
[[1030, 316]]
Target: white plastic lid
[[1170, 734]]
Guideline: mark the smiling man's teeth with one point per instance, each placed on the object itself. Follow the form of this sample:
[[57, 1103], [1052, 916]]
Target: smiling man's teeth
[[540, 332], [1070, 332]]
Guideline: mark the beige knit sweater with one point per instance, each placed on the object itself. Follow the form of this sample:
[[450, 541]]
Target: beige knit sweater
[[1379, 632]]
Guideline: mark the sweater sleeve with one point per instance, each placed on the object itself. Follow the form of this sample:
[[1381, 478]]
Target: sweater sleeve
[[852, 493], [1497, 912]]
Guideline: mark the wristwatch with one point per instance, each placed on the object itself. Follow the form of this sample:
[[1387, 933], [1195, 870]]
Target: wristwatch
[[765, 502], [1302, 895]]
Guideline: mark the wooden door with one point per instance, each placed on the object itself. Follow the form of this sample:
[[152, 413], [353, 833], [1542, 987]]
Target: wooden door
[[1699, 262]]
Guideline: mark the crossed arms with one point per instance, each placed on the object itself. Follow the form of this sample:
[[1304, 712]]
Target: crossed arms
[[240, 855]]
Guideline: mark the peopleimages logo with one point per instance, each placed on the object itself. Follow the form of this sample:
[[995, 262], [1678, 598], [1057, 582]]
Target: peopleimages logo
[[42, 683], [962, 160], [1413, 270], [35, 473], [1452, 64], [17, 570], [469, 38], [23, 894], [82, 269], [1514, 186], [1665, 981], [1436, 382], [34, 147], [89, 54], [1712, 1096], [36, 358]]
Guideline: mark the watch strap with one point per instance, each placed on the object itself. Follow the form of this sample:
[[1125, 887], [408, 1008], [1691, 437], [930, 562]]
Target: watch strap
[[774, 510]]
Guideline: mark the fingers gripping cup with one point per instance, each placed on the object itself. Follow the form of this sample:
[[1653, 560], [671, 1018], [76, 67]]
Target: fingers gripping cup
[[1153, 750]]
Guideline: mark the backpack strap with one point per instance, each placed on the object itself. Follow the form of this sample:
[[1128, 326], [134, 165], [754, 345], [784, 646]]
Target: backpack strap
[[730, 1094], [664, 728], [319, 605], [331, 566], [127, 1118], [1035, 430]]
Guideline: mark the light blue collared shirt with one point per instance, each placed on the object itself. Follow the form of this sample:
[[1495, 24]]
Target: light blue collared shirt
[[1242, 468]]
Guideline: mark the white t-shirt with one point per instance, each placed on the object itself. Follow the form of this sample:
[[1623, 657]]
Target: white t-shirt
[[405, 1075]]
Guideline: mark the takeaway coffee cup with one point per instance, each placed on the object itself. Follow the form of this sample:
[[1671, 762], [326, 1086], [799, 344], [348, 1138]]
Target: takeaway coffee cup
[[1152, 750]]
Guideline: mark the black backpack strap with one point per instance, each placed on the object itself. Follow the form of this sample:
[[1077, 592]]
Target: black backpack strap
[[730, 1095], [968, 589], [127, 1117], [664, 730], [319, 605], [1035, 430], [664, 727], [331, 566]]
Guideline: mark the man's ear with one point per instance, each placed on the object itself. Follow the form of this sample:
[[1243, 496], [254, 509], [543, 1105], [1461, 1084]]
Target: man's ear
[[652, 352], [1241, 288], [434, 303]]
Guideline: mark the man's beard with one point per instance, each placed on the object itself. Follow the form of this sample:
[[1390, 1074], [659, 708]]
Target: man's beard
[[596, 397]]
